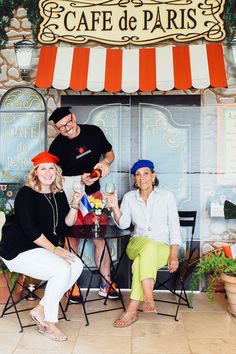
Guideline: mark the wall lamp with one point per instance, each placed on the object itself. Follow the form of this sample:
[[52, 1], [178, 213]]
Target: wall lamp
[[24, 53]]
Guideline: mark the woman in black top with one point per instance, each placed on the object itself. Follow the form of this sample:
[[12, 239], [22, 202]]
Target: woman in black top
[[30, 245]]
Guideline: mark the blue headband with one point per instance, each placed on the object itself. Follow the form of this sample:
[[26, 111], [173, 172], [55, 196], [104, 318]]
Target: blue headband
[[141, 163]]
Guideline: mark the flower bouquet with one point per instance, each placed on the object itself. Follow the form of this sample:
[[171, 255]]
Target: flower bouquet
[[100, 211]]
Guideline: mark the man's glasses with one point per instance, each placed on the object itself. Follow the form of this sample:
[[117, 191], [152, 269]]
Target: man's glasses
[[63, 127]]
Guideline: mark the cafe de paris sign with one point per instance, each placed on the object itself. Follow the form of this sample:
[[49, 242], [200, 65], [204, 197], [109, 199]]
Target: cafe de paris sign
[[139, 22]]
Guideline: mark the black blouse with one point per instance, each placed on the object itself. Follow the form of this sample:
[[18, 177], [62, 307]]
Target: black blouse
[[33, 217]]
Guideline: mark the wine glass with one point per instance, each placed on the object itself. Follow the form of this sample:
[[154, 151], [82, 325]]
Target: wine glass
[[77, 186], [110, 188]]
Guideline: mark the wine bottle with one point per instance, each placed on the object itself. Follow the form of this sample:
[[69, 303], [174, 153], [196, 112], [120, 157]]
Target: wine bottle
[[96, 173]]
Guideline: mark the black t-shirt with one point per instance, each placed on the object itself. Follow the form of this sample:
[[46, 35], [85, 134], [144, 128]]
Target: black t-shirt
[[33, 216], [81, 154]]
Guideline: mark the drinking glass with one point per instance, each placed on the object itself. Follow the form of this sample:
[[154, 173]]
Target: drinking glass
[[110, 188], [77, 187]]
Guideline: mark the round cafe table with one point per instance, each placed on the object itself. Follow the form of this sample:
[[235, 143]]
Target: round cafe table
[[106, 233]]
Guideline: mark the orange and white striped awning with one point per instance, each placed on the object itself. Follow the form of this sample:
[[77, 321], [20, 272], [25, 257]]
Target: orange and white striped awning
[[130, 70]]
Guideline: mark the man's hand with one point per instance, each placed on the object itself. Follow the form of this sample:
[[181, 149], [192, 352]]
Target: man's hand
[[104, 166], [85, 178]]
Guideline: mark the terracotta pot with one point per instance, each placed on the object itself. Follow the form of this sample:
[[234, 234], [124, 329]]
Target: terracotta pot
[[4, 293], [230, 287], [219, 288]]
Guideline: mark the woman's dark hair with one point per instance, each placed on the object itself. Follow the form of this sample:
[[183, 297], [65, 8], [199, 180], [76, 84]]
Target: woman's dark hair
[[156, 181]]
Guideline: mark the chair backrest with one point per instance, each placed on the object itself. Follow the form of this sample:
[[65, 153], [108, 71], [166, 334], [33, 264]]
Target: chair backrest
[[188, 219]]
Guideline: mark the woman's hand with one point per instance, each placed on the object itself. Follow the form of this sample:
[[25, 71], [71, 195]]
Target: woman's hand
[[173, 263], [64, 254], [112, 200], [76, 199]]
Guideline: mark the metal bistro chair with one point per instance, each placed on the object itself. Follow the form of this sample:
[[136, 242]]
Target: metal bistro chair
[[186, 266], [11, 306]]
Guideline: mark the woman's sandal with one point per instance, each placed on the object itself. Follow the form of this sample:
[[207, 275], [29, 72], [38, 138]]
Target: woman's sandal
[[149, 307], [38, 319], [125, 320], [55, 335]]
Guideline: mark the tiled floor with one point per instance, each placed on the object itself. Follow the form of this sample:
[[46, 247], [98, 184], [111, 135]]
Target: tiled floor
[[205, 329]]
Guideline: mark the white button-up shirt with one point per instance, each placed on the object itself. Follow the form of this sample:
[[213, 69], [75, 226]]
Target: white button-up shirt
[[157, 218]]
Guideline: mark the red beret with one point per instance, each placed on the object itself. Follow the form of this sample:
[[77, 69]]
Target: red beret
[[44, 157]]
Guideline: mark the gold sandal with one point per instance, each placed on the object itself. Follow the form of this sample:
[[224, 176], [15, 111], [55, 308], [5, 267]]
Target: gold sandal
[[55, 335], [37, 318], [125, 320], [149, 307]]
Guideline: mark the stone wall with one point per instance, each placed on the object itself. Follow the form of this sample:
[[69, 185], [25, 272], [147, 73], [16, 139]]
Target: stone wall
[[10, 76]]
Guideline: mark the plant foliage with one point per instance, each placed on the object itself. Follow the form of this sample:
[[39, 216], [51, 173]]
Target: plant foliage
[[6, 10], [213, 263]]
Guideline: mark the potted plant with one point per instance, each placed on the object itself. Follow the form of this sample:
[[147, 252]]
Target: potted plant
[[11, 276], [219, 264]]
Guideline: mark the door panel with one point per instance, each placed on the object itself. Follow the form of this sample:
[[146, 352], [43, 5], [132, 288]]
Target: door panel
[[165, 129]]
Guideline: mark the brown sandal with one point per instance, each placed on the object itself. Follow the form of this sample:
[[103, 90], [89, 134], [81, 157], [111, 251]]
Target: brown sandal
[[149, 307], [125, 320]]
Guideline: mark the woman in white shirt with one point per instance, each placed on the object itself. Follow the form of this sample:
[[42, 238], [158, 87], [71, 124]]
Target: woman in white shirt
[[153, 212]]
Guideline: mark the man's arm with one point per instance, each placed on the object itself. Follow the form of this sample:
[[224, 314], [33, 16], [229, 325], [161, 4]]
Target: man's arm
[[104, 164]]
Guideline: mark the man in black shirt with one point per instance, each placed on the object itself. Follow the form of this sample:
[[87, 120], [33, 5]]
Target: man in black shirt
[[79, 149]]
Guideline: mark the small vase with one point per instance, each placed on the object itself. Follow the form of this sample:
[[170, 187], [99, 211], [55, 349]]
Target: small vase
[[31, 296], [96, 225]]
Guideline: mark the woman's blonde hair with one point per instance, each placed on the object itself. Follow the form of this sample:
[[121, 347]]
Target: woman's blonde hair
[[33, 181]]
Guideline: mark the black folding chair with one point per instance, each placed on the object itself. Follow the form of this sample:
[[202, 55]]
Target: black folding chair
[[11, 306], [186, 267]]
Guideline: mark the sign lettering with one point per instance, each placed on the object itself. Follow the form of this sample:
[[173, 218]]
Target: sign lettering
[[139, 22]]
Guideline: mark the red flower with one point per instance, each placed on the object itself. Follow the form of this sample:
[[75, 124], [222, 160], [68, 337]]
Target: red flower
[[3, 187], [218, 251]]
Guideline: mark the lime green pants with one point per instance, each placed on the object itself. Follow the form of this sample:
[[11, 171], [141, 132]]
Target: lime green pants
[[148, 256]]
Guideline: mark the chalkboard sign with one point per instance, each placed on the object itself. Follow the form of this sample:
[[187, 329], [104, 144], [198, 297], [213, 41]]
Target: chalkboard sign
[[22, 132]]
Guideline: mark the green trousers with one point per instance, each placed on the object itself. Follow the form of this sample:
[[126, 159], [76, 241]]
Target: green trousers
[[148, 256]]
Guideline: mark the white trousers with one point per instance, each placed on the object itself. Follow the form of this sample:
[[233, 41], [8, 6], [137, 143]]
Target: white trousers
[[42, 264]]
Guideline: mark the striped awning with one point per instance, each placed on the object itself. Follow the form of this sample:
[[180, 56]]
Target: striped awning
[[129, 70]]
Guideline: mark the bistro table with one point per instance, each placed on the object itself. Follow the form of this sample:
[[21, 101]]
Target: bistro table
[[106, 233]]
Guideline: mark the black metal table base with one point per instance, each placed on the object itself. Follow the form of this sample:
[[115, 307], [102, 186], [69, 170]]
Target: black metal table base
[[93, 272]]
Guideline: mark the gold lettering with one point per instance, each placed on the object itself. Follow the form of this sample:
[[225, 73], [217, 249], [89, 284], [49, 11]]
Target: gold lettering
[[11, 162], [22, 132]]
